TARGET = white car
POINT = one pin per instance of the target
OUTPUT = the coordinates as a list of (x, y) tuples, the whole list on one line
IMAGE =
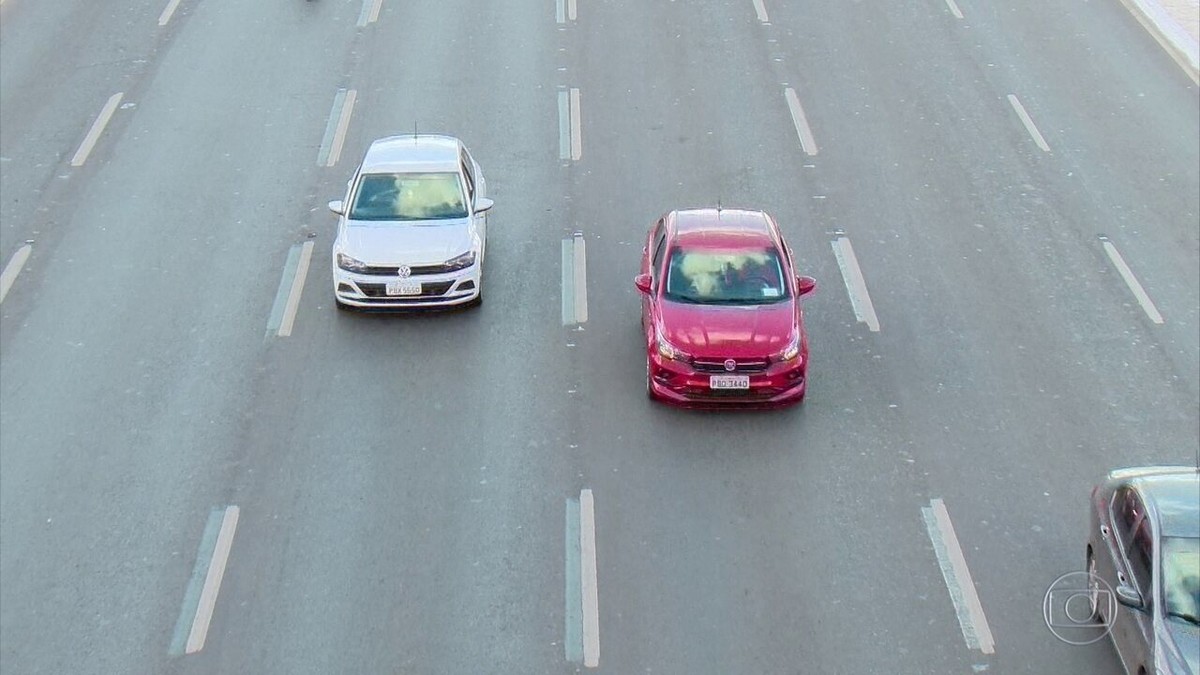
[(412, 228)]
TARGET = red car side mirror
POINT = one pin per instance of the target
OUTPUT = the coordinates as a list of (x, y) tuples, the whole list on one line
[(805, 285), (642, 281)]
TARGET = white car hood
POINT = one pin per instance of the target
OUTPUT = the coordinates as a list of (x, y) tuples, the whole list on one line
[(408, 243)]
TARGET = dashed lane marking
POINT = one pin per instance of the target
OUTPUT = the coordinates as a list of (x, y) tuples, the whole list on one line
[(98, 126)]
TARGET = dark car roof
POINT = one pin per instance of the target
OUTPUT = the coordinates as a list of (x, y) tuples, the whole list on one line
[(1177, 500), (1175, 496), (722, 227)]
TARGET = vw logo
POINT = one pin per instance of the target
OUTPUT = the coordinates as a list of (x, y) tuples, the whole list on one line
[(730, 365), (404, 271)]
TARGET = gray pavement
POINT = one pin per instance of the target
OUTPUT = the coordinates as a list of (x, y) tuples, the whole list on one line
[(408, 486)]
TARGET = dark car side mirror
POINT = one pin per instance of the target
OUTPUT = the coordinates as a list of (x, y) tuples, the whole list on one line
[(483, 204), (805, 285), (337, 207), (1128, 596), (643, 282)]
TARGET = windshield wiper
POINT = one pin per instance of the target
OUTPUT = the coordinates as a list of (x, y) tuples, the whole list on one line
[(735, 301), (376, 218), (1190, 618)]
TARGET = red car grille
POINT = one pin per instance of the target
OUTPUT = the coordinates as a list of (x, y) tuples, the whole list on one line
[(743, 366)]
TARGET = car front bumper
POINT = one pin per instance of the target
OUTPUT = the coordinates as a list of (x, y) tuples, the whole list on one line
[(681, 384), (369, 291)]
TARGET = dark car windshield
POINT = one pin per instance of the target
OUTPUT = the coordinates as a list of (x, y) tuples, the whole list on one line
[(409, 196), (725, 277), (1181, 578)]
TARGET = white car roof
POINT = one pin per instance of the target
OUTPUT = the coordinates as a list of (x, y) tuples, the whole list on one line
[(412, 153)]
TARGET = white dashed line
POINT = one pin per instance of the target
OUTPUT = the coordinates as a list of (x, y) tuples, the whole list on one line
[(954, 9), (581, 308), (576, 132), (167, 12), (1028, 122), (335, 128), (564, 125), (212, 581), (191, 630), (574, 280), (807, 142), (1134, 285), (93, 134), (13, 268), (570, 141), (339, 137), (856, 285), (293, 302), (591, 593), (953, 564), (291, 284), (760, 10), (369, 13)]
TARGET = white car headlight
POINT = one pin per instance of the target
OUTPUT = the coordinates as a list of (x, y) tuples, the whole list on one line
[(460, 262), (350, 264)]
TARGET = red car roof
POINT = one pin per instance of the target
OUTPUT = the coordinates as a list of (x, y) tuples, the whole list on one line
[(710, 227)]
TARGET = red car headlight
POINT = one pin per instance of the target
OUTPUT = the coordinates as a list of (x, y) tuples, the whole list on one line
[(791, 351), (668, 350)]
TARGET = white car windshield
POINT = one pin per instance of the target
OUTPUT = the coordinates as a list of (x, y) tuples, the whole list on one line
[(409, 196)]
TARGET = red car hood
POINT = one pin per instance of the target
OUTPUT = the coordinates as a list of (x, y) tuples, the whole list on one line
[(709, 331)]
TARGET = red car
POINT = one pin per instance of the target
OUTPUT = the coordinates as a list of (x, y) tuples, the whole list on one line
[(721, 310)]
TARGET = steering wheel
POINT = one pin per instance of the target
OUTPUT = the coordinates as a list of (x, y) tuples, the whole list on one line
[(383, 197), (762, 281)]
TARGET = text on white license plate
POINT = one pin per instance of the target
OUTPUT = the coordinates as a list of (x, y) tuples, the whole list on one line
[(404, 288), (728, 381)]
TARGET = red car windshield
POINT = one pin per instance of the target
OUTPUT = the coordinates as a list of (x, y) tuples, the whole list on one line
[(725, 277)]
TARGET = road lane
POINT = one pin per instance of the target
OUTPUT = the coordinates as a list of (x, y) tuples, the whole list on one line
[(1022, 372), (58, 64), (127, 378), (990, 308), (755, 542), (402, 504)]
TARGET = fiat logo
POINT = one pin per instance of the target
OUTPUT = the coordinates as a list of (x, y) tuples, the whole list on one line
[(730, 365), (404, 271)]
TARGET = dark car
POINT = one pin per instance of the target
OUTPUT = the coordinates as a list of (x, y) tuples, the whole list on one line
[(1144, 544), (721, 310)]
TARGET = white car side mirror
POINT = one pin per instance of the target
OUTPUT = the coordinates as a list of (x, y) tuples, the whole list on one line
[(337, 207), (483, 204)]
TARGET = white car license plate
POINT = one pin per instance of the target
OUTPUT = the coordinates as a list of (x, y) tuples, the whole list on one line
[(728, 381), (404, 288)]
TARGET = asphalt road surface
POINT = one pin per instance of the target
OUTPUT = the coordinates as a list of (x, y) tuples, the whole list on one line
[(206, 468)]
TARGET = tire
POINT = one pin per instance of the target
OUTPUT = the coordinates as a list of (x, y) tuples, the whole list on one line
[(1093, 589), (649, 387)]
